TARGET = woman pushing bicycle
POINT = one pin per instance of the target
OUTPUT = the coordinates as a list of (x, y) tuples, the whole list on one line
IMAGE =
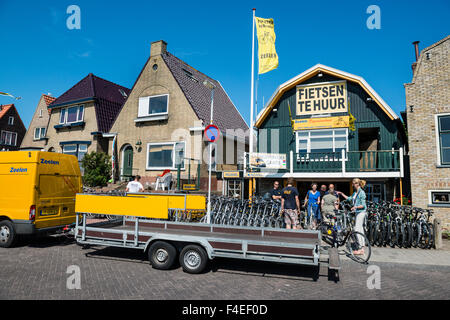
[(359, 208)]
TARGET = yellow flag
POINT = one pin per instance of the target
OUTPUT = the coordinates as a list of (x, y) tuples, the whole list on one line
[(267, 55)]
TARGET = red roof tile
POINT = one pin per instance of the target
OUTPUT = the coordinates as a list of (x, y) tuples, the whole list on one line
[(4, 109), (48, 99)]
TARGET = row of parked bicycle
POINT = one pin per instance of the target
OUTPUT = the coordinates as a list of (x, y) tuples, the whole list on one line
[(387, 223)]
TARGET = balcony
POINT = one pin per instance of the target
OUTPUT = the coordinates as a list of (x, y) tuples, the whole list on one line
[(369, 164)]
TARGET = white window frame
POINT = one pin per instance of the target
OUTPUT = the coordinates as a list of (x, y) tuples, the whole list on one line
[(308, 146), (430, 198), (40, 136), (41, 113), (173, 155), (11, 121), (66, 113), (12, 134), (150, 115), (438, 142)]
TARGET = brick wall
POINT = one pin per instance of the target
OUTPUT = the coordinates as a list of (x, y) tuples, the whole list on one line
[(429, 94)]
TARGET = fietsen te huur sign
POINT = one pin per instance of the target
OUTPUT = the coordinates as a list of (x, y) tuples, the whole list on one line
[(321, 98)]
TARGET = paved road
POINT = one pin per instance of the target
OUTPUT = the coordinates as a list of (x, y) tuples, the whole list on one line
[(37, 270)]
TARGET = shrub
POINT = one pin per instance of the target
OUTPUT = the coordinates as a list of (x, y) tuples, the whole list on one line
[(97, 169)]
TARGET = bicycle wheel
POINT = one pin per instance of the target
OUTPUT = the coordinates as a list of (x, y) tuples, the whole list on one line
[(415, 234), (358, 241), (409, 235), (424, 240), (393, 235), (382, 234), (404, 236), (431, 228)]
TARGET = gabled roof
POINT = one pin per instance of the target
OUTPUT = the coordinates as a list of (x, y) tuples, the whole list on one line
[(190, 80), (108, 96), (311, 72), (5, 108), (48, 99)]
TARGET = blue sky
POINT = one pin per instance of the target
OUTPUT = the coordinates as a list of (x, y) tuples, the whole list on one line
[(40, 54)]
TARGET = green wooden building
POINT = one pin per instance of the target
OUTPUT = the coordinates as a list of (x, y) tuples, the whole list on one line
[(329, 126)]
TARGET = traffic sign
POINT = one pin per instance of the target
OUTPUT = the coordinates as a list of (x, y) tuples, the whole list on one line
[(212, 133)]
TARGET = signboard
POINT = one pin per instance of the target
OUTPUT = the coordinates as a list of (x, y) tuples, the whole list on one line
[(321, 98), (268, 160), (212, 133), (231, 174), (322, 123), (189, 187), (255, 174)]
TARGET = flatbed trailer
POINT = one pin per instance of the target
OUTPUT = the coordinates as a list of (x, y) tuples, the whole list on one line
[(196, 243)]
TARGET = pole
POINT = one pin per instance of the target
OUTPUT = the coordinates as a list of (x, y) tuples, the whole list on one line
[(208, 215), (252, 83)]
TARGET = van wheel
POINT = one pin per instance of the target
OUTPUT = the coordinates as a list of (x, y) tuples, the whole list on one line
[(7, 234), (162, 255), (193, 259)]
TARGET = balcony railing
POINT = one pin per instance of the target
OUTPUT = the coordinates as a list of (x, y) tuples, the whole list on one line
[(352, 161)]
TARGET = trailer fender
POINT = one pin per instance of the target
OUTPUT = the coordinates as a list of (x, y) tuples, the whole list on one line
[(182, 239)]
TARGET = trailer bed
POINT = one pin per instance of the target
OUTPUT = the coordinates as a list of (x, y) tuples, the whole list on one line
[(280, 245)]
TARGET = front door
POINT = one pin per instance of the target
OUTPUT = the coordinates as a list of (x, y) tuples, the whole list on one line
[(128, 162)]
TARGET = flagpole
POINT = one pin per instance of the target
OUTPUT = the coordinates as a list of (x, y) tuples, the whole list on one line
[(252, 83)]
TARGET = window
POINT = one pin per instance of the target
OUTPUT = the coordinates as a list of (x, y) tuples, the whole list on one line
[(77, 150), (439, 197), (154, 105), (71, 115), (234, 188), (444, 139), (11, 121), (165, 155), (8, 138), (39, 133), (322, 141), (40, 113)]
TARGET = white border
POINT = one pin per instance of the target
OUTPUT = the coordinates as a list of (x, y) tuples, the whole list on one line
[(15, 140), (66, 112)]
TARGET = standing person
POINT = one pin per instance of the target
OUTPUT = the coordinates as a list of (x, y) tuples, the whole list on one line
[(323, 191), (330, 202), (359, 208), (312, 202), (290, 205), (135, 186), (276, 192)]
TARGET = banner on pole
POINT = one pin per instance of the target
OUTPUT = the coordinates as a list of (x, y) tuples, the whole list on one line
[(267, 55)]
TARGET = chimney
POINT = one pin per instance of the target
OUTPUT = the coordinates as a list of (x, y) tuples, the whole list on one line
[(158, 47), (416, 47)]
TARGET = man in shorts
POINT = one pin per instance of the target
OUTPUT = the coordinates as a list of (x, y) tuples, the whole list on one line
[(290, 205)]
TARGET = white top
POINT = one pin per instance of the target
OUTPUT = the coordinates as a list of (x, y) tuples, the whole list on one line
[(134, 186)]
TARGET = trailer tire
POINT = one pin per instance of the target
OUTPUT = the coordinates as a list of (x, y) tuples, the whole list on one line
[(8, 234), (193, 259), (162, 255)]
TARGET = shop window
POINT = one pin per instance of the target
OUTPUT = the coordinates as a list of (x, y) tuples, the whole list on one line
[(161, 156), (321, 141), (71, 115), (444, 139), (440, 197), (153, 105), (234, 188)]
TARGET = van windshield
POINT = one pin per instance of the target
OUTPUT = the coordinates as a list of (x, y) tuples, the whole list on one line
[(58, 185)]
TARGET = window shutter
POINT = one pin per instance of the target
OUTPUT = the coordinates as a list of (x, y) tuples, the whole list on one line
[(143, 107)]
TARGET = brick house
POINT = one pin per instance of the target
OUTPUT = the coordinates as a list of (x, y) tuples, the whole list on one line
[(12, 129), (80, 116), (35, 137), (428, 123), (162, 122)]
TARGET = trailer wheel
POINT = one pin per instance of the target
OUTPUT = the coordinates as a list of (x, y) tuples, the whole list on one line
[(7, 234), (162, 255), (193, 259)]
